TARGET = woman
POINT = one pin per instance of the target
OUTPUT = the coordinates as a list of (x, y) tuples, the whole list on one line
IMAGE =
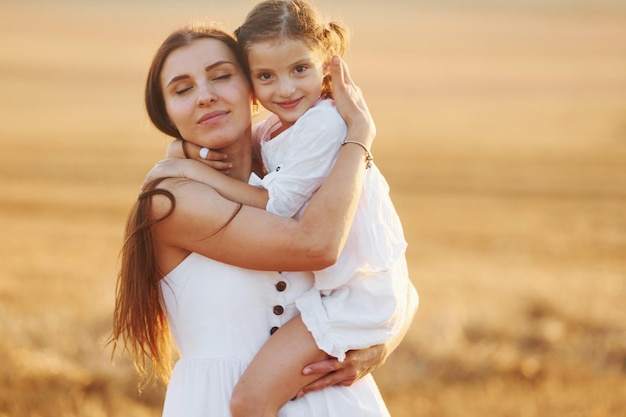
[(183, 237)]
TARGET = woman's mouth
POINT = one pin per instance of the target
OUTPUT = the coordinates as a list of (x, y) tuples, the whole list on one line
[(212, 117)]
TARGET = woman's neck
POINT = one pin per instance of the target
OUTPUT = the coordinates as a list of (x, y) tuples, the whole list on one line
[(239, 154)]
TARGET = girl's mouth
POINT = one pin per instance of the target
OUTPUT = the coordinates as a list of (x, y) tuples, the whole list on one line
[(289, 105)]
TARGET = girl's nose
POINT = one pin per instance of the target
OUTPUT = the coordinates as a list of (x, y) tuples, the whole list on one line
[(286, 88)]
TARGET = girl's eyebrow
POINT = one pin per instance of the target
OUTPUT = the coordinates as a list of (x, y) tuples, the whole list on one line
[(206, 69)]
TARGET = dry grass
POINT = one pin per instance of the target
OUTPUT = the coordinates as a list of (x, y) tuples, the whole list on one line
[(502, 134)]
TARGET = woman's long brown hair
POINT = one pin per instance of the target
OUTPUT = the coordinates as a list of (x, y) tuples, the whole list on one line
[(139, 320)]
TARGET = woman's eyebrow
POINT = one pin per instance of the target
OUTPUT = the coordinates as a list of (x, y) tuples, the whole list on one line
[(217, 64), (177, 78)]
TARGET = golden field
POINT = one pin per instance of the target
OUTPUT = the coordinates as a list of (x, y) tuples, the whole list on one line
[(502, 132)]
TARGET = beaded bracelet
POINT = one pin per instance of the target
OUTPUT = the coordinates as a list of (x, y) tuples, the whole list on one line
[(368, 156)]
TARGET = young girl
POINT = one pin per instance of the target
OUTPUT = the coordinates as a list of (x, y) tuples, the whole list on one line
[(361, 300)]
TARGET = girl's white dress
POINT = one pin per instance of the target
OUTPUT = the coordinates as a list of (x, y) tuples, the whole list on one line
[(220, 316), (360, 300)]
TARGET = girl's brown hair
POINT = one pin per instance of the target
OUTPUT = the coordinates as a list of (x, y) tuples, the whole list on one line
[(273, 20), (139, 321)]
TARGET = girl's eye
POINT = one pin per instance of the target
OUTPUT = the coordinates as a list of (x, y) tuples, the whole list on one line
[(300, 68), (264, 76)]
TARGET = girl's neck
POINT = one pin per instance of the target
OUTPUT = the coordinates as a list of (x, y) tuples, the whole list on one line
[(280, 129)]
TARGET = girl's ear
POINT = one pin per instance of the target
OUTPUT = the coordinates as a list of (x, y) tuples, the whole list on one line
[(326, 67), (327, 87), (327, 60)]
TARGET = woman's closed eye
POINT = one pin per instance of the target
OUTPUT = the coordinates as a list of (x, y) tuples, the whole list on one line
[(182, 89), (222, 77)]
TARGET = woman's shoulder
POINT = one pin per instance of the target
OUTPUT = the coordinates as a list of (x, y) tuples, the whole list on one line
[(184, 195)]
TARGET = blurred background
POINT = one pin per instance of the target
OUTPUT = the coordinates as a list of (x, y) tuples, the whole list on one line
[(502, 132)]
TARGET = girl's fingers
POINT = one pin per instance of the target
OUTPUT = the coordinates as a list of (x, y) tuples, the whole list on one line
[(218, 165), (199, 153)]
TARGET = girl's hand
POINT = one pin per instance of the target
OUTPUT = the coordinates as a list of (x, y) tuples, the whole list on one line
[(357, 364), (168, 168), (211, 157)]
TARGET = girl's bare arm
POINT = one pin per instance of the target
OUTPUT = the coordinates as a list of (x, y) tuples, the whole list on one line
[(231, 188)]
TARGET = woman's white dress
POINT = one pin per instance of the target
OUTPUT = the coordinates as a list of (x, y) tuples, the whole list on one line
[(220, 316)]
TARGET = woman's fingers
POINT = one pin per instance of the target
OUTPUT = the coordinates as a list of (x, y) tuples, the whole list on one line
[(334, 373), (322, 367)]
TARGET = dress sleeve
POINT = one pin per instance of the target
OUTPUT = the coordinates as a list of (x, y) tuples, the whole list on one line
[(306, 156)]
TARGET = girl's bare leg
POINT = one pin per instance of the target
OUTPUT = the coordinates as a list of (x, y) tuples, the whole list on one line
[(275, 374)]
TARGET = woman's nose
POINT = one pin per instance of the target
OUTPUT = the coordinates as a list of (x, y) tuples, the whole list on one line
[(206, 95)]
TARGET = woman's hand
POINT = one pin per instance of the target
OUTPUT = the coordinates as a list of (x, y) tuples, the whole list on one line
[(357, 364), (351, 104)]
